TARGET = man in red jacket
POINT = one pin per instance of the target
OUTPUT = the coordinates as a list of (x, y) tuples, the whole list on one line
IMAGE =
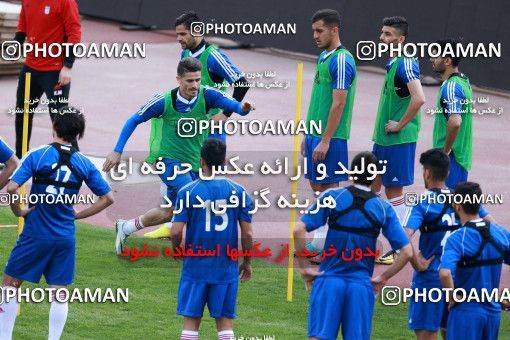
[(46, 22)]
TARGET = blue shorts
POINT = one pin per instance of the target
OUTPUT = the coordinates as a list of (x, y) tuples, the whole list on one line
[(219, 297), (31, 258), (173, 186), (336, 302), (465, 324), (426, 315), (400, 163), (337, 153), (457, 173)]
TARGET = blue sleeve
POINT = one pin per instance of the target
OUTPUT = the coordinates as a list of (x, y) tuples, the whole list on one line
[(416, 217), (94, 180), (483, 212), (219, 64), (408, 70), (217, 99), (25, 169), (182, 216), (342, 70), (392, 229), (182, 54), (452, 97), (318, 219), (152, 109), (5, 151), (244, 211), (452, 251)]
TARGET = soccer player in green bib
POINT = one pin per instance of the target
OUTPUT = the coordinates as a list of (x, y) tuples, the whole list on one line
[(331, 105), (453, 122), (398, 121), (178, 146), (217, 71)]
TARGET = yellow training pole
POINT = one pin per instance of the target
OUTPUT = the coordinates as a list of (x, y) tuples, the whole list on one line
[(24, 146), (290, 275)]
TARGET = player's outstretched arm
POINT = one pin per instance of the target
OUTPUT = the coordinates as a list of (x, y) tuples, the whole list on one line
[(418, 262), (99, 205), (247, 243), (13, 190), (308, 274), (406, 252), (10, 165)]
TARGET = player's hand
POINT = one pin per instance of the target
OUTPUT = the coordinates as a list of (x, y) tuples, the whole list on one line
[(64, 77), (23, 212), (391, 127), (319, 154), (421, 264), (309, 275), (451, 304), (112, 161), (247, 107), (245, 272), (303, 148), (378, 282)]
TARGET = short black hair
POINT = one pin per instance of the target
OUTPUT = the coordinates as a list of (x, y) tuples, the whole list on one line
[(330, 17), (437, 161), (187, 19), (69, 124), (453, 43), (213, 152), (471, 194), (188, 64), (370, 158), (397, 22)]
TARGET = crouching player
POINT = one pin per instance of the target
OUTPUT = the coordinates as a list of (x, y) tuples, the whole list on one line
[(471, 260), (47, 244), (211, 280), (436, 220), (343, 291)]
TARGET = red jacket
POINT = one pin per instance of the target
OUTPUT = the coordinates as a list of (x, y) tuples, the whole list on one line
[(49, 21)]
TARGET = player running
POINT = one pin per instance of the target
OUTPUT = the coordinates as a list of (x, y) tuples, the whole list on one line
[(47, 244), (343, 290), (472, 259), (10, 161), (436, 220), (398, 121), (189, 101), (454, 122), (217, 71), (212, 280), (331, 105)]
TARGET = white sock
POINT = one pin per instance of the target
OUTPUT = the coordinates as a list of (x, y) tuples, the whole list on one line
[(8, 313), (226, 335), (132, 225), (189, 335), (58, 317), (398, 203), (319, 237)]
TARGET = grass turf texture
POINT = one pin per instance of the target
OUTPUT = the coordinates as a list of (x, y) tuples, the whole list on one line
[(261, 309)]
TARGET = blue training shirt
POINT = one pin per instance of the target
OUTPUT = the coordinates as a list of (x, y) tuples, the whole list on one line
[(5, 151), (55, 221), (465, 242), (432, 243), (155, 108), (452, 96), (342, 69), (382, 212), (206, 229)]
